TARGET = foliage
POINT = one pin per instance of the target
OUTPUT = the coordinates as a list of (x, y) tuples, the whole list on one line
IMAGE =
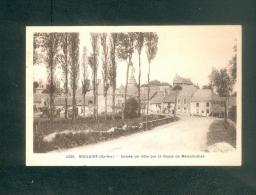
[(85, 80), (207, 86), (93, 62), (125, 45), (74, 68), (105, 63), (139, 41), (177, 88), (125, 52), (131, 108), (222, 82), (112, 69), (233, 64), (151, 45), (35, 85), (151, 50), (48, 44)]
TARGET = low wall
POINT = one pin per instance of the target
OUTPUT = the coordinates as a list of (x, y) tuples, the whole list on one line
[(157, 122)]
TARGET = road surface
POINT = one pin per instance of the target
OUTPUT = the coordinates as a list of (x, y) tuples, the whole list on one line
[(187, 134)]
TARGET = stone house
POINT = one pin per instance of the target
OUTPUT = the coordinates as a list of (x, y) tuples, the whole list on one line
[(206, 103)]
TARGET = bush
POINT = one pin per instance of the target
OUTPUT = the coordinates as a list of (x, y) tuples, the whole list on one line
[(131, 108)]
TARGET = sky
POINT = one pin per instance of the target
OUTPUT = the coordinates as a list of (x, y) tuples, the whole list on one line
[(189, 51)]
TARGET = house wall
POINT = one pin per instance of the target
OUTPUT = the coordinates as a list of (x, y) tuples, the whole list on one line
[(171, 108), (155, 108), (183, 105), (162, 108), (201, 108)]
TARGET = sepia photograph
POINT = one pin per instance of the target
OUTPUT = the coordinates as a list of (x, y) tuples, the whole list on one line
[(133, 95)]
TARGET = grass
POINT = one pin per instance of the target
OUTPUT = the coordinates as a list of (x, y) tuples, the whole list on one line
[(221, 131), (58, 125), (70, 140)]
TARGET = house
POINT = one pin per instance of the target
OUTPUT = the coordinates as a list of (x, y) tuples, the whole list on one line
[(84, 108), (181, 81), (40, 100), (184, 97), (156, 102), (169, 101), (206, 103)]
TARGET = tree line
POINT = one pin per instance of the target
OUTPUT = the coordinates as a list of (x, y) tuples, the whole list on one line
[(63, 48), (223, 80)]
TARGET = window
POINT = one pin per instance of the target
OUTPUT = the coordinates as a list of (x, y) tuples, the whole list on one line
[(178, 107), (207, 104), (197, 104), (207, 111), (202, 111), (185, 108), (178, 101)]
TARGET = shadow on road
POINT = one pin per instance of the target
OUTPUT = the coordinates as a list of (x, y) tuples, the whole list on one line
[(221, 131)]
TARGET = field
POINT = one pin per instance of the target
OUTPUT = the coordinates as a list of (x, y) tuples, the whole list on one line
[(63, 133)]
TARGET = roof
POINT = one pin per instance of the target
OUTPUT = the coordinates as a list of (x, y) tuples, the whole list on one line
[(170, 97), (202, 95), (60, 101), (158, 98), (180, 80), (187, 90), (205, 95), (144, 95)]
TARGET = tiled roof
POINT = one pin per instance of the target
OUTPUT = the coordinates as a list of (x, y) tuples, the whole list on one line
[(60, 101), (180, 80), (187, 90), (170, 97), (158, 98), (204, 95), (144, 95)]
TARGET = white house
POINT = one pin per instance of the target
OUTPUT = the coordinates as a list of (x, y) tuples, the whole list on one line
[(206, 103)]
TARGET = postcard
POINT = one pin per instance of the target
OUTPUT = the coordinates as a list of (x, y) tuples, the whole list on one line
[(134, 95)]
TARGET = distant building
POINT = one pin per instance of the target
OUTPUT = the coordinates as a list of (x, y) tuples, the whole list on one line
[(206, 103), (132, 86), (163, 102), (178, 80), (184, 97)]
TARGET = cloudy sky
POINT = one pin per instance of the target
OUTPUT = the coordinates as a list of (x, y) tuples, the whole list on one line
[(189, 51)]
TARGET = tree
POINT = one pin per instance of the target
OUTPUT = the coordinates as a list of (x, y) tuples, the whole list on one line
[(35, 86), (74, 69), (207, 86), (151, 50), (139, 42), (64, 60), (48, 43), (105, 69), (93, 61), (112, 69), (223, 85), (131, 108), (177, 88), (233, 63), (85, 80), (125, 52)]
